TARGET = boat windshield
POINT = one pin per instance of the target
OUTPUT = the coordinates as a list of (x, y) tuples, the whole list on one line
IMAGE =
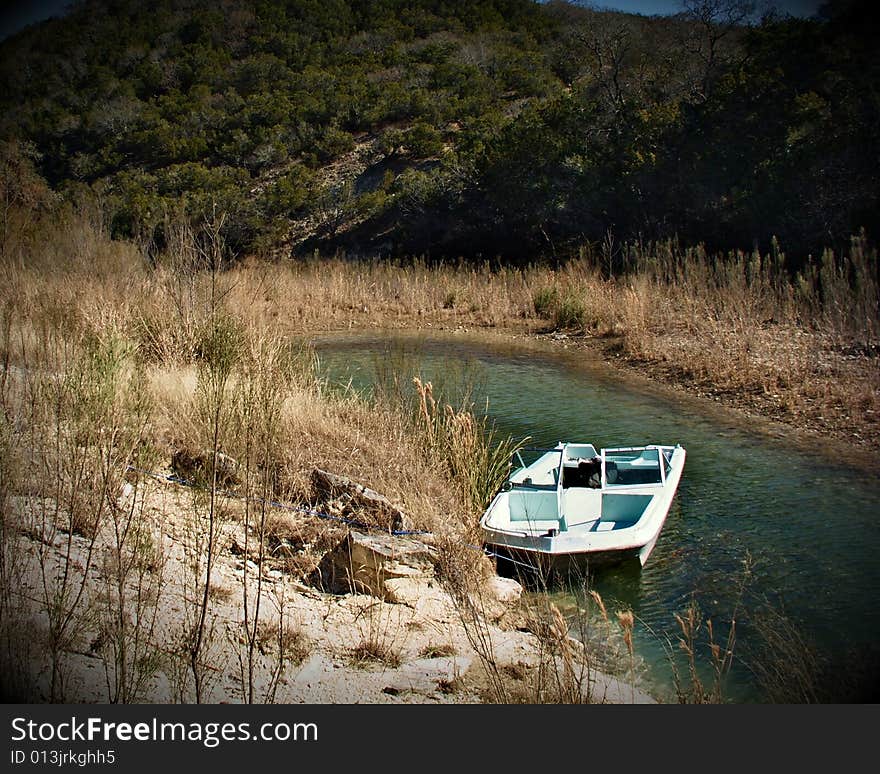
[(667, 462), (625, 467), (535, 468)]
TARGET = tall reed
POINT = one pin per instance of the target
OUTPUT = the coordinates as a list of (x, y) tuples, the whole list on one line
[(476, 457), (261, 389)]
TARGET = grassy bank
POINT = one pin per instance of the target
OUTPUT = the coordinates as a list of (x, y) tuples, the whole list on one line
[(740, 329), (164, 534), (802, 349), (113, 366)]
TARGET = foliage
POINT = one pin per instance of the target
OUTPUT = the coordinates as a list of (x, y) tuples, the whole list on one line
[(521, 128), (476, 456)]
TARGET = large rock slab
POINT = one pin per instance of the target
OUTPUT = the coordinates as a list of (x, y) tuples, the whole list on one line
[(499, 596), (362, 563), (402, 570)]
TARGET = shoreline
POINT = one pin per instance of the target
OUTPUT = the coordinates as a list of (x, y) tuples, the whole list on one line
[(746, 409), (406, 640), (273, 307)]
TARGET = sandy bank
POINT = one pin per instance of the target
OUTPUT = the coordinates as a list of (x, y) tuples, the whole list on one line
[(414, 646)]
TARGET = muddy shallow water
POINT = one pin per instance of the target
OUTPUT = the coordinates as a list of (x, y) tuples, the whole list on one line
[(799, 514)]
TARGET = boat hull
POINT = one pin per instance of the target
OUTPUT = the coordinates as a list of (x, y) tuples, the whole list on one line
[(520, 562), (624, 529)]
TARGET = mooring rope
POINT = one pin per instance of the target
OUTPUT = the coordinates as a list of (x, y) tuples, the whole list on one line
[(506, 558)]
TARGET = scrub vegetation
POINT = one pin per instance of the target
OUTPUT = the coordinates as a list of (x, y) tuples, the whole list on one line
[(501, 130), (114, 372), (115, 369), (190, 191)]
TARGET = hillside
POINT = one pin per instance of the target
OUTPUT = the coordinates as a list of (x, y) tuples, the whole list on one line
[(419, 127)]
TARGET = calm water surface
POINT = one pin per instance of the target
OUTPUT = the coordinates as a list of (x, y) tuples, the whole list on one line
[(807, 525)]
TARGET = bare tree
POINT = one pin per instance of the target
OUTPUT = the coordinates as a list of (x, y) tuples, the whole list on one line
[(609, 41), (712, 24)]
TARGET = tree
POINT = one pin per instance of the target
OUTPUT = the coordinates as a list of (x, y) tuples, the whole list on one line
[(20, 184), (713, 24), (608, 41)]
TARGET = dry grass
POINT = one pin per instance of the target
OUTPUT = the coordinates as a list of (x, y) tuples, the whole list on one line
[(381, 635), (803, 348), (800, 347), (437, 651), (575, 653), (109, 364), (740, 328)]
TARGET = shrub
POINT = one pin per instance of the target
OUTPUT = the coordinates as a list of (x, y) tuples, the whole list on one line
[(570, 313), (545, 301)]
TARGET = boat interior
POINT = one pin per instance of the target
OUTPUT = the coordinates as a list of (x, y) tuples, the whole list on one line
[(537, 504), (585, 509)]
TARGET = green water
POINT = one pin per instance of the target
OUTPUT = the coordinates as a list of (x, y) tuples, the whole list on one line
[(805, 523)]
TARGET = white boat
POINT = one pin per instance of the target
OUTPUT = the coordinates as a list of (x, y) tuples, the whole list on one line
[(570, 507)]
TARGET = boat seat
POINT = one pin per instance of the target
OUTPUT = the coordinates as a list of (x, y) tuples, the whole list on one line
[(581, 505)]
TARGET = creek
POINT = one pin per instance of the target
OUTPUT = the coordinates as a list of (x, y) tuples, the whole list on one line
[(779, 534)]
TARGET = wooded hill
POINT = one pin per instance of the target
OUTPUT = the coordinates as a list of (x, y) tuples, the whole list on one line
[(451, 129)]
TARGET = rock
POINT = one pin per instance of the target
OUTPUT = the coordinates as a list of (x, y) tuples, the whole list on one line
[(363, 563), (414, 591), (332, 486), (430, 601), (426, 675), (196, 467), (499, 596), (505, 590), (125, 501), (604, 689)]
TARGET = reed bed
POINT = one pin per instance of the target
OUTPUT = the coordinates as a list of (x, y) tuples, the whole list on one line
[(802, 347), (111, 369)]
